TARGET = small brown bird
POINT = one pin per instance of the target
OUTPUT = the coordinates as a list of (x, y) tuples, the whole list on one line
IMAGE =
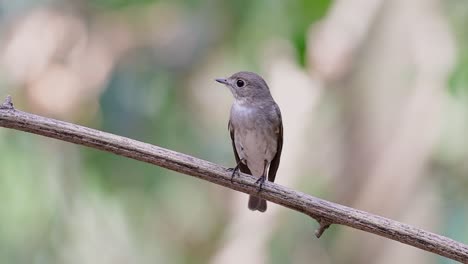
[(256, 130)]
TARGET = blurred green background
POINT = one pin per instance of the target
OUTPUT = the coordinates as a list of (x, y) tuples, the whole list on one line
[(374, 96)]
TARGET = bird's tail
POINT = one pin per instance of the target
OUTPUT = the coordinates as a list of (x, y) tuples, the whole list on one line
[(257, 204)]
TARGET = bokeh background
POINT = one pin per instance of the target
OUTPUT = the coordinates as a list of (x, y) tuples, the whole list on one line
[(374, 96)]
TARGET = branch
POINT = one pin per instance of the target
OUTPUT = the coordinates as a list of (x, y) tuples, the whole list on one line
[(326, 213)]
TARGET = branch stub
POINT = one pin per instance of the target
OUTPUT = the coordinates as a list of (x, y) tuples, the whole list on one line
[(7, 104)]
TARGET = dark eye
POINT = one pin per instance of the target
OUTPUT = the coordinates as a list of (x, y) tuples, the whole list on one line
[(240, 83)]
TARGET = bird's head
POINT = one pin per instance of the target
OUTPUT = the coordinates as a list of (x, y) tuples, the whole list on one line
[(246, 86)]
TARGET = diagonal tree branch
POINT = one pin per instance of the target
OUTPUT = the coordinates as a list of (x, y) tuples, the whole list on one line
[(326, 213)]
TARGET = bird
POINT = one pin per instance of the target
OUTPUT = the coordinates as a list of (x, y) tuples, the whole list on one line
[(256, 129)]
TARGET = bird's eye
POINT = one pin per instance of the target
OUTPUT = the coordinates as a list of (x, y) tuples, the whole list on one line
[(240, 83)]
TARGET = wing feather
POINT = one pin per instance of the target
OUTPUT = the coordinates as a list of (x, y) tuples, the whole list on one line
[(276, 160), (242, 167)]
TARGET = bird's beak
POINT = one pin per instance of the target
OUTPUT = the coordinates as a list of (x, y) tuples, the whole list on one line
[(222, 80)]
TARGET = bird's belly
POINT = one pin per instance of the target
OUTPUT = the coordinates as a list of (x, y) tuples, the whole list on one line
[(256, 148)]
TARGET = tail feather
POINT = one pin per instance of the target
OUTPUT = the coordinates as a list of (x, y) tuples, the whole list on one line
[(257, 204)]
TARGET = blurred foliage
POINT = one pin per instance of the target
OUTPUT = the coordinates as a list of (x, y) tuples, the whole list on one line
[(57, 198), (306, 13), (118, 4), (457, 11)]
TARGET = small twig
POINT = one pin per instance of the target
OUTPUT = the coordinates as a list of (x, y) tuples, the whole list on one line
[(7, 104), (324, 225), (301, 202)]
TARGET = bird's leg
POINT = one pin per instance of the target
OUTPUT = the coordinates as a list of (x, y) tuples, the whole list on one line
[(235, 170), (262, 179)]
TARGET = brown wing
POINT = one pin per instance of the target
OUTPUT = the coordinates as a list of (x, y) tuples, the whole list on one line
[(276, 160), (242, 167)]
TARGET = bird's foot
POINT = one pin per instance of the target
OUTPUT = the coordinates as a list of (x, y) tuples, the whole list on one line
[(260, 180), (235, 172)]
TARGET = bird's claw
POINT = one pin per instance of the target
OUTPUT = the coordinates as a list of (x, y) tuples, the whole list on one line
[(260, 180), (235, 172)]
